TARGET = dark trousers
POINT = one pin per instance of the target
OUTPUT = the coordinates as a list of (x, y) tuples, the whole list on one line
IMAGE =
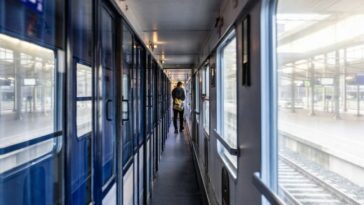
[(175, 113)]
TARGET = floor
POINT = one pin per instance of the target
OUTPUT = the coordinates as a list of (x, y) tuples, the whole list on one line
[(176, 182)]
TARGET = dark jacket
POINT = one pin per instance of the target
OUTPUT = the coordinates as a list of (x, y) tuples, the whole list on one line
[(179, 93)]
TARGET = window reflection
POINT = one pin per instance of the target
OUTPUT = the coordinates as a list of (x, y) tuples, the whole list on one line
[(26, 91), (84, 99), (26, 99)]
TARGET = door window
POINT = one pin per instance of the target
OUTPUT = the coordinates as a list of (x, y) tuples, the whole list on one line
[(84, 99)]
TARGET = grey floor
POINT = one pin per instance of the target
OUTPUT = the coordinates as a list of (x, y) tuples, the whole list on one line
[(176, 182)]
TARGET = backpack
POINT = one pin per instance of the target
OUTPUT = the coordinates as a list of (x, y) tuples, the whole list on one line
[(178, 104)]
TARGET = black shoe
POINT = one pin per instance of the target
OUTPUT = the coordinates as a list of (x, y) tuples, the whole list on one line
[(176, 131), (182, 129)]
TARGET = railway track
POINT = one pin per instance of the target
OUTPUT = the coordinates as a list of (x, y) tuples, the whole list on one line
[(299, 187)]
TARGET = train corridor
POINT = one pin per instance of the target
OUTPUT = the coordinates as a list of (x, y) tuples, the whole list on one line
[(176, 179)]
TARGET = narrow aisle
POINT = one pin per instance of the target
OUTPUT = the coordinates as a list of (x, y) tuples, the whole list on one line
[(176, 181)]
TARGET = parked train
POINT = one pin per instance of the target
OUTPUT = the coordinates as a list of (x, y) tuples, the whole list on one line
[(273, 105)]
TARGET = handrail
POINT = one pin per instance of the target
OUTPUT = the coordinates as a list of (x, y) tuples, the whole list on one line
[(24, 144), (231, 150), (272, 197)]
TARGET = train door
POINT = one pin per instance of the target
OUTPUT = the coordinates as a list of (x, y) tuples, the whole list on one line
[(128, 172), (155, 118), (135, 118), (79, 120), (105, 139), (31, 102), (159, 114), (139, 116), (148, 93)]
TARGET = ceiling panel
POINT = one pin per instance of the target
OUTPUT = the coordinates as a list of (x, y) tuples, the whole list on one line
[(177, 27)]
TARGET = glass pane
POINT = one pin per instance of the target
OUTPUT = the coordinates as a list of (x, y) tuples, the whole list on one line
[(84, 81), (84, 108), (206, 117), (84, 117), (208, 81), (229, 96), (127, 41), (197, 96), (203, 76), (26, 91), (320, 99)]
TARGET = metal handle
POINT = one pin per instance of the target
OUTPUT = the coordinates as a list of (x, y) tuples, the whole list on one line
[(107, 110), (266, 191), (232, 151)]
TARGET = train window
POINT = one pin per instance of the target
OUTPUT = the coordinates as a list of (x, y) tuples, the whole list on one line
[(206, 101), (84, 99), (27, 99), (320, 75), (227, 97), (197, 95), (203, 80), (246, 47)]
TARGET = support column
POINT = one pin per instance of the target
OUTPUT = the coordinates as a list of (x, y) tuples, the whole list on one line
[(17, 86), (307, 88), (345, 84), (311, 67), (337, 85), (357, 98), (326, 109), (42, 78), (34, 89), (293, 90)]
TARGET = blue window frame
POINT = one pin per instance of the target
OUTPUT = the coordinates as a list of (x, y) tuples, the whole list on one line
[(127, 45)]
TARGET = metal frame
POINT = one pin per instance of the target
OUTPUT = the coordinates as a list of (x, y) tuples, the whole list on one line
[(267, 181), (231, 150), (266, 191)]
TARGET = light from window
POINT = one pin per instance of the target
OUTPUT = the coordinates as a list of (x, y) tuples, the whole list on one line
[(84, 100), (27, 99), (320, 101), (206, 101), (228, 98), (197, 96)]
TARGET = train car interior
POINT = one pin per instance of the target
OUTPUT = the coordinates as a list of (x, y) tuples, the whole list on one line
[(181, 102)]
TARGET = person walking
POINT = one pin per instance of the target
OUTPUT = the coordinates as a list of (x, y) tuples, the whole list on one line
[(178, 95)]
